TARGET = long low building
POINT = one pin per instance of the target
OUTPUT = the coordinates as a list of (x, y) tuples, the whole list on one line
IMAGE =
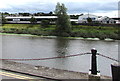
[(26, 19)]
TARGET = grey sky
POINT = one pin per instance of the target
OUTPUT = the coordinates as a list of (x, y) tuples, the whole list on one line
[(99, 7)]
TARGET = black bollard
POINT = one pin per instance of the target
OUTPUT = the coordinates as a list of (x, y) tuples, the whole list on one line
[(94, 62), (115, 72)]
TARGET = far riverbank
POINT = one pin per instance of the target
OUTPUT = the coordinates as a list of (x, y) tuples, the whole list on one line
[(53, 37), (77, 31)]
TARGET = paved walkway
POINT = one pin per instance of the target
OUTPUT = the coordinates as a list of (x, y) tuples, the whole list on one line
[(44, 71)]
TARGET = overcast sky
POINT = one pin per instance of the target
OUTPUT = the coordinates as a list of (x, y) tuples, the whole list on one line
[(97, 7)]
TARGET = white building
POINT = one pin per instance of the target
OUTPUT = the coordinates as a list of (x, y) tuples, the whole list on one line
[(117, 19), (106, 20), (103, 20), (83, 18)]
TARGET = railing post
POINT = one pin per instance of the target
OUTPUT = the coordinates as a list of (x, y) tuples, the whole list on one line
[(115, 72), (94, 62), (93, 73)]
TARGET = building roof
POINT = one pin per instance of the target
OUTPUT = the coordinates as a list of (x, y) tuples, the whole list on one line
[(28, 17), (102, 18), (87, 15), (37, 17)]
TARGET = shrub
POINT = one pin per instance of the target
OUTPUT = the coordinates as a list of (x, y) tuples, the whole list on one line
[(45, 23), (73, 22)]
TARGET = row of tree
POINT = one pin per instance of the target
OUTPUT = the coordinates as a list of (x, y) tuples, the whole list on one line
[(38, 14), (28, 14)]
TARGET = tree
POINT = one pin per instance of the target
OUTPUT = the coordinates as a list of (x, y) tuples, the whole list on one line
[(50, 13), (63, 25), (3, 20), (6, 13), (45, 23), (89, 20), (73, 22), (33, 20)]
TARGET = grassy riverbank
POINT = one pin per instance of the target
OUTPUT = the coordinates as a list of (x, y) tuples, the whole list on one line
[(77, 30)]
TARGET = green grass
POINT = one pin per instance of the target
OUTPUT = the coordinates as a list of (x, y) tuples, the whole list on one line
[(76, 30), (95, 31)]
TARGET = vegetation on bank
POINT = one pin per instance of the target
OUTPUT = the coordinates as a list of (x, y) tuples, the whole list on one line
[(76, 30)]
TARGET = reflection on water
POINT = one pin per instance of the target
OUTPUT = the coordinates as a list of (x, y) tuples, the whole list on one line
[(36, 47), (61, 46)]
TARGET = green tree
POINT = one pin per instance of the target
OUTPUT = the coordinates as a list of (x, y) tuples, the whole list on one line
[(63, 25), (89, 20), (45, 23), (3, 20), (50, 13), (33, 20)]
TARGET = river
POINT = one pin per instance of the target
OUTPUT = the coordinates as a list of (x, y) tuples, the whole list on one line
[(14, 46)]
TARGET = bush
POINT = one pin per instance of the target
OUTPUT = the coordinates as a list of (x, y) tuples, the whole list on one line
[(73, 22), (45, 23)]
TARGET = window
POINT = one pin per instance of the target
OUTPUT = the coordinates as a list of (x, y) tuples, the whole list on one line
[(24, 19), (9, 19), (107, 22), (93, 18)]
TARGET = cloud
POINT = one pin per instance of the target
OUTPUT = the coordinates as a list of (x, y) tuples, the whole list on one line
[(74, 6), (91, 7), (29, 7)]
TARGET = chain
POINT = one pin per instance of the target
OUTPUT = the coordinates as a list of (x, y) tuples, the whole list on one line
[(48, 58), (108, 57)]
